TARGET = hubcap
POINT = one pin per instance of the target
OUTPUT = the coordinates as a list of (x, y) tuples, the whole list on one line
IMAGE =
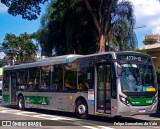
[(20, 103), (81, 109)]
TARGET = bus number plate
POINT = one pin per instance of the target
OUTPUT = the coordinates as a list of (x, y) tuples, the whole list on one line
[(142, 110)]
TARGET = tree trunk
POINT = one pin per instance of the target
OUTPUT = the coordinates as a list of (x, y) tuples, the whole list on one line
[(102, 42), (120, 46), (11, 61)]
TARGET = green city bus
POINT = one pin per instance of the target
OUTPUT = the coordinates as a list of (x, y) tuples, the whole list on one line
[(106, 84)]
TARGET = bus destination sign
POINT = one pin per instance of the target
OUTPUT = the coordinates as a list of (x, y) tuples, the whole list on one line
[(134, 58)]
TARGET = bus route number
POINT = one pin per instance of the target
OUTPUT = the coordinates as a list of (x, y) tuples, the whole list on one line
[(133, 58)]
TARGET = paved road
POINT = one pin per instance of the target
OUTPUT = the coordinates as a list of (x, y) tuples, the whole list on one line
[(63, 120)]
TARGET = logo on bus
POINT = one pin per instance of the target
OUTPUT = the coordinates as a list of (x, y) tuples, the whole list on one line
[(135, 102), (149, 101)]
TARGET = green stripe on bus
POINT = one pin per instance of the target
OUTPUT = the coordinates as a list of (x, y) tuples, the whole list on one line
[(41, 100), (5, 98), (141, 101)]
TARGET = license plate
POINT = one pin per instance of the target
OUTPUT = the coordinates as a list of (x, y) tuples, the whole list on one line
[(142, 110)]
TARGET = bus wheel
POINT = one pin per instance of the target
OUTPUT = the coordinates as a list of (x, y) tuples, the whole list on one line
[(21, 105), (81, 109)]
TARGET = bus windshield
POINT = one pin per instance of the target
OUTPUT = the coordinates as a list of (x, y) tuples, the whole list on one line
[(137, 78)]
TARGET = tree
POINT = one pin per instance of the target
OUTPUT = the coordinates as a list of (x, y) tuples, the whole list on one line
[(122, 37), (141, 50), (67, 28), (158, 74), (107, 13), (28, 9), (66, 15), (3, 62), (148, 41), (20, 49)]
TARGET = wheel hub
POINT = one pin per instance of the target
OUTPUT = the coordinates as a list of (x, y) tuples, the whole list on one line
[(81, 109), (20, 103)]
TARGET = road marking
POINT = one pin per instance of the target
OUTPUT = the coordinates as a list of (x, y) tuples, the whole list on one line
[(8, 111), (98, 127), (67, 120), (37, 115), (105, 127), (90, 127), (157, 127)]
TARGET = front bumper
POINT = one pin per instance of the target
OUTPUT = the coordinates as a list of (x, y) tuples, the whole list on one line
[(136, 110)]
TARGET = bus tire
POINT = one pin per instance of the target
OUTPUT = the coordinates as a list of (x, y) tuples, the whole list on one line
[(21, 103), (81, 109)]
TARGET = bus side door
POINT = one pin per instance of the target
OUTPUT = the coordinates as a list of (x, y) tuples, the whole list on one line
[(106, 87), (103, 87)]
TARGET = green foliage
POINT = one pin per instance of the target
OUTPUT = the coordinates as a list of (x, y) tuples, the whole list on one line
[(148, 41), (123, 37), (67, 28), (79, 26), (123, 26), (158, 75), (21, 48), (115, 21), (28, 9), (3, 62), (142, 50)]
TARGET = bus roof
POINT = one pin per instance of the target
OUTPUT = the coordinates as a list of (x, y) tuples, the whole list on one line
[(62, 59), (45, 62)]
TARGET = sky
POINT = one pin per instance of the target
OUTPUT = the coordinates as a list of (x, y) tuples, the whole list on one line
[(147, 14), (16, 25)]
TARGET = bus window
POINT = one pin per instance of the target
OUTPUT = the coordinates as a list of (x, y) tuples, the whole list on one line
[(58, 73), (53, 81), (33, 79), (45, 78), (6, 81), (70, 76), (85, 76), (22, 79)]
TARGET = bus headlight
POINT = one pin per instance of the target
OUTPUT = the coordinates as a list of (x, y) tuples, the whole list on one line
[(124, 100)]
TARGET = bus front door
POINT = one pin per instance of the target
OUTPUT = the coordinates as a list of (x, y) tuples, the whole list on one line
[(103, 88)]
